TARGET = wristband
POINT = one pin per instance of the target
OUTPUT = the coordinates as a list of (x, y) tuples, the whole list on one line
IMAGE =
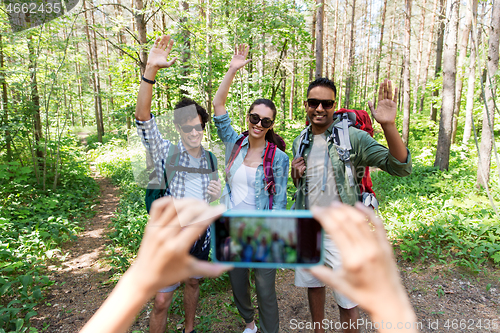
[(148, 81)]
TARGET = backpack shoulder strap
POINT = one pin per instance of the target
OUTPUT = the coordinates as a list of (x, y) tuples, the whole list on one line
[(213, 165), (303, 141), (268, 161), (234, 152), (170, 163)]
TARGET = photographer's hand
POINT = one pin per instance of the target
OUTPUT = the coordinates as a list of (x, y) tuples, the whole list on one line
[(163, 259), (369, 275)]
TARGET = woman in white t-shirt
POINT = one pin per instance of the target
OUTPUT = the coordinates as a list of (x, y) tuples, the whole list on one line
[(246, 189)]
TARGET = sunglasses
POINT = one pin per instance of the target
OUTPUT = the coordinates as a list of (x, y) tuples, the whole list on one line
[(189, 128), (314, 103), (255, 119)]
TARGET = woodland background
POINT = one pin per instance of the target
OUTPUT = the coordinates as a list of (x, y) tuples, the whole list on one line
[(78, 76)]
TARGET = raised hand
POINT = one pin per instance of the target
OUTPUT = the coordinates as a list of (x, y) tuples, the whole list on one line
[(158, 56), (239, 57), (386, 111)]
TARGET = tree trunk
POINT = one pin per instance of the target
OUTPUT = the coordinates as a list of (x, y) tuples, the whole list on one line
[(35, 99), (419, 57), (439, 55), (428, 56), (110, 80), (5, 104), (78, 75), (471, 82), (342, 60), (142, 33), (327, 43), (92, 76), (367, 51), (186, 54), (406, 74), (336, 27), (283, 97), (449, 86), (313, 44), (460, 65), (292, 87), (96, 73), (391, 48), (208, 50), (350, 65), (379, 54), (487, 136)]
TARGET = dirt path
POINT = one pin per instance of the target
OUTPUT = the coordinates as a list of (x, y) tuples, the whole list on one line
[(79, 290), (445, 299)]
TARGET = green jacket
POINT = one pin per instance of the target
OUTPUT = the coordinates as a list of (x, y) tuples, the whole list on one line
[(365, 152)]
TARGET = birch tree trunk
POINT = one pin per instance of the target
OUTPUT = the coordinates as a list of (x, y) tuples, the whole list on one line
[(98, 95), (406, 74), (391, 48), (313, 44), (92, 76), (35, 99), (319, 38), (460, 65), (336, 27), (471, 84), (419, 57), (379, 53), (5, 104), (186, 50), (483, 169), (439, 54), (350, 65), (141, 34), (428, 56), (367, 52), (79, 76), (292, 87), (449, 89)]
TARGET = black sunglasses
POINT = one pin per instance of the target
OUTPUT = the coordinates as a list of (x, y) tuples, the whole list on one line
[(189, 128), (254, 119), (314, 103)]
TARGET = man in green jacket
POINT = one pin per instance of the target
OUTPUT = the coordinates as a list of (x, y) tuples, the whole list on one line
[(323, 177)]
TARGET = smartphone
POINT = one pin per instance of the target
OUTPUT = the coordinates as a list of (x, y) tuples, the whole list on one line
[(267, 239)]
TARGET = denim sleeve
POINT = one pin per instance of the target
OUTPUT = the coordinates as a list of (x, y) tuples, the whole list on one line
[(281, 180), (224, 129)]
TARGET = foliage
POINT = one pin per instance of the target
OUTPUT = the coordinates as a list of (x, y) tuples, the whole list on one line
[(33, 223), (439, 215)]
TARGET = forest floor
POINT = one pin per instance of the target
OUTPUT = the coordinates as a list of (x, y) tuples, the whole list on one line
[(443, 296)]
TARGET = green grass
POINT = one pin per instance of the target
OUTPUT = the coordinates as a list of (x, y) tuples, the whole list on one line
[(440, 215), (33, 223)]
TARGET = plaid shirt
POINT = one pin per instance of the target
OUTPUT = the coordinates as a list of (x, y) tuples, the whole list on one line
[(158, 148)]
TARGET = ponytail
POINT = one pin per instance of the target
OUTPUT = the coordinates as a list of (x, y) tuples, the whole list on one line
[(276, 139)]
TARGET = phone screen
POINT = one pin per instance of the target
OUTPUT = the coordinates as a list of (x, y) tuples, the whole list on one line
[(277, 239)]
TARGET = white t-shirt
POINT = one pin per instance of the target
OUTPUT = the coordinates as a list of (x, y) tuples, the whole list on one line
[(315, 174), (193, 180), (243, 188)]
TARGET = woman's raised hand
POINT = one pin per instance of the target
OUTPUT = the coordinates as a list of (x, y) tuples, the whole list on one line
[(159, 53), (240, 57)]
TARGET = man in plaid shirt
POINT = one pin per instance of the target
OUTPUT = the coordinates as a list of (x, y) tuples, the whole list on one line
[(189, 119)]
